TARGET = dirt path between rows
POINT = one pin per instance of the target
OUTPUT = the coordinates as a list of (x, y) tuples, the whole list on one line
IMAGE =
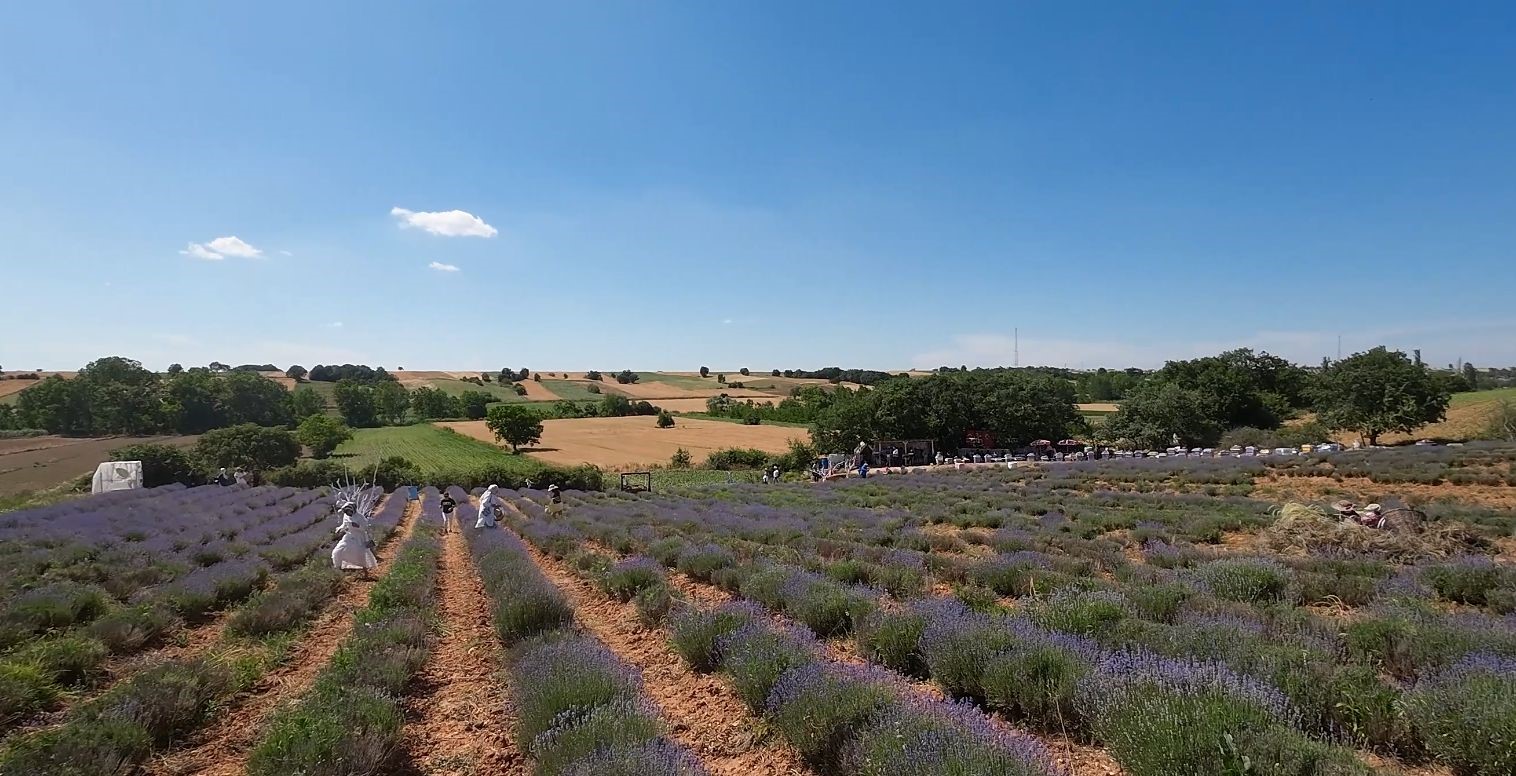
[(222, 748), (454, 723), (704, 714)]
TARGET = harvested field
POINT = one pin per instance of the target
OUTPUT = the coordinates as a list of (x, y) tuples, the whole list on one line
[(43, 462), (10, 387), (622, 442)]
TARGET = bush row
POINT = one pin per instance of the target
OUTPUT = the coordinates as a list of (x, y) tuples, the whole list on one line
[(350, 719), (579, 709)]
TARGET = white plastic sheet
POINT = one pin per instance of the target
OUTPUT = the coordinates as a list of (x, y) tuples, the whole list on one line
[(116, 475)]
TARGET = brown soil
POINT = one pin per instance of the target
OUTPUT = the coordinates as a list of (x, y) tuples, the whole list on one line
[(222, 748), (703, 713), (43, 462), (536, 391), (1363, 491), (454, 723), (622, 442)]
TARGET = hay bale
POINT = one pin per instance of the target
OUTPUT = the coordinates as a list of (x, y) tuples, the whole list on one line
[(1302, 529)]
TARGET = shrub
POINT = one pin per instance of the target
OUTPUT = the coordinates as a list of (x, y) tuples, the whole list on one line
[(58, 605), (757, 654), (531, 610), (701, 562), (162, 464), (923, 738), (1467, 714), (337, 732), (1465, 580), (25, 689), (1251, 580), (610, 727), (106, 745), (827, 608), (665, 420), (68, 660), (1082, 613), (890, 639), (625, 579), (658, 757), (1014, 574), (1159, 603), (818, 706), (165, 701), (681, 459), (667, 551), (288, 605), (131, 629), (655, 603), (694, 633), (559, 678), (1036, 684)]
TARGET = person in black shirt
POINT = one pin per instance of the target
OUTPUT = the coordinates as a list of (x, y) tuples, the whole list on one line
[(448, 505)]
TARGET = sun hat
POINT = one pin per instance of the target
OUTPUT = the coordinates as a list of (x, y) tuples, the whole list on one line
[(1372, 508), (1343, 505)]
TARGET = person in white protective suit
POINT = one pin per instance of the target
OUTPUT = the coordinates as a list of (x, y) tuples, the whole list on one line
[(488, 501), (355, 550)]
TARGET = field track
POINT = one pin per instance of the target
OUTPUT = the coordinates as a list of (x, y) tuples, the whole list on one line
[(454, 721), (223, 746)]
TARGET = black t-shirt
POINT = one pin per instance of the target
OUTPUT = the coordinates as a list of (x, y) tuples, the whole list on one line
[(448, 504)]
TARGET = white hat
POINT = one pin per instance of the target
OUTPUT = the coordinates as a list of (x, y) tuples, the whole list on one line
[(552, 487), (1373, 508)]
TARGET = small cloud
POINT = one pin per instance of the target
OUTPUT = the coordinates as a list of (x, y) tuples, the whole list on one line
[(726, 321), (220, 248), (440, 267), (450, 223), (335, 324), (199, 251), (285, 253)]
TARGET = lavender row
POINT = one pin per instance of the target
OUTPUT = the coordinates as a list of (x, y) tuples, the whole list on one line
[(579, 710)]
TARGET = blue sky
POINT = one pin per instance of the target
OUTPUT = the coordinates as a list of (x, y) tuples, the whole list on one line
[(777, 184)]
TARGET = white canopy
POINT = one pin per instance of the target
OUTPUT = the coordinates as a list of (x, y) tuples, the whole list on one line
[(117, 475)]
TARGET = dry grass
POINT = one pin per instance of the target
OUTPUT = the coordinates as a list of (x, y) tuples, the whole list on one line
[(1303, 529)]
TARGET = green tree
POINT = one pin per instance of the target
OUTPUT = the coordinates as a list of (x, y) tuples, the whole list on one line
[(391, 400), (1241, 388), (537, 378), (256, 448), (705, 371), (774, 373), (174, 369), (681, 459), (162, 464), (665, 420), (513, 425), (322, 434), (296, 373), (721, 378), (249, 397), (306, 401), (429, 403), (57, 405), (10, 419), (192, 401), (475, 404), (1471, 375), (626, 377), (744, 371), (123, 397), (1379, 391), (355, 401), (1155, 413), (592, 375)]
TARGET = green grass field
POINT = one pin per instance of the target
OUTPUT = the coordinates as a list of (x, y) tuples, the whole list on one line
[(572, 391), (678, 381), (708, 416), (1478, 397), (502, 393), (429, 447)]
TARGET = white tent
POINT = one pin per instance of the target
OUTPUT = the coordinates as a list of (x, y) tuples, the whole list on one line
[(117, 475)]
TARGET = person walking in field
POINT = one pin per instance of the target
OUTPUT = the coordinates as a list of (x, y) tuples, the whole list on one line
[(488, 503), (355, 550), (448, 505)]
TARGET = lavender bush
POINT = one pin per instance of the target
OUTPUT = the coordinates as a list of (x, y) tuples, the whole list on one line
[(1467, 714)]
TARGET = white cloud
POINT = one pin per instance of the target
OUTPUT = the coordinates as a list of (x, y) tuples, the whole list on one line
[(440, 267), (726, 321), (450, 223), (285, 253), (335, 324), (201, 252), (220, 248)]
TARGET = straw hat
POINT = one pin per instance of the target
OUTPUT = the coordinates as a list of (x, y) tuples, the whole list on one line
[(1372, 508), (1343, 505)]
